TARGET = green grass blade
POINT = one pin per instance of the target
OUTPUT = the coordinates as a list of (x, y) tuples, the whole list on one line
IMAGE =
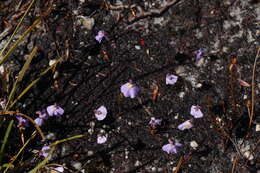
[(33, 83), (45, 161), (7, 133), (10, 164), (20, 76), (26, 65), (42, 163), (17, 27), (11, 50)]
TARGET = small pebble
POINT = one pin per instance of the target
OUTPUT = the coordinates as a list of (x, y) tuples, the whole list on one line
[(90, 131), (257, 128), (138, 163), (55, 75), (248, 155), (137, 47), (92, 124), (90, 153), (160, 169), (181, 94), (2, 69), (199, 85), (77, 165), (194, 145), (87, 22), (51, 136), (153, 169)]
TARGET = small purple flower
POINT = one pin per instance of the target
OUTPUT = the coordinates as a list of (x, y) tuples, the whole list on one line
[(59, 169), (45, 151), (42, 114), (171, 147), (55, 110), (171, 79), (101, 34), (39, 121), (101, 113), (130, 90), (22, 122), (155, 122), (196, 112), (101, 139), (185, 125), (199, 53)]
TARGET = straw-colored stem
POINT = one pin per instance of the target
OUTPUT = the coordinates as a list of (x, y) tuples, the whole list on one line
[(20, 151), (13, 113), (253, 90), (16, 28)]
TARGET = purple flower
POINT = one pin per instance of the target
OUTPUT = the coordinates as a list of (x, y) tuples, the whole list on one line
[(45, 151), (59, 169), (42, 114), (155, 122), (100, 36), (171, 79), (101, 113), (199, 53), (39, 121), (130, 90), (101, 139), (55, 110), (22, 122), (196, 112), (171, 147), (185, 125)]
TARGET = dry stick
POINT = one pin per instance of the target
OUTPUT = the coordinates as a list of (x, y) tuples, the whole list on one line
[(179, 165), (234, 164), (20, 151), (11, 113), (17, 27), (143, 14), (251, 114), (118, 7)]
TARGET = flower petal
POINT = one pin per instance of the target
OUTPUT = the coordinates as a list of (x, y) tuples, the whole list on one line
[(185, 125), (196, 112)]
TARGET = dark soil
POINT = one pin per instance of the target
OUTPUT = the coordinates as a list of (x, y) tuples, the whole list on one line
[(143, 50)]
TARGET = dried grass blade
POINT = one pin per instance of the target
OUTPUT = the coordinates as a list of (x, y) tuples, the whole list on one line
[(20, 76), (17, 27), (10, 51), (13, 113), (179, 165), (45, 161), (42, 163), (34, 82), (10, 164), (251, 114)]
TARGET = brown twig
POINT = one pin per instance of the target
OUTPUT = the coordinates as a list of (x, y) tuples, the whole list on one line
[(109, 6), (251, 114), (140, 14), (234, 164), (143, 14), (12, 113), (179, 165)]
